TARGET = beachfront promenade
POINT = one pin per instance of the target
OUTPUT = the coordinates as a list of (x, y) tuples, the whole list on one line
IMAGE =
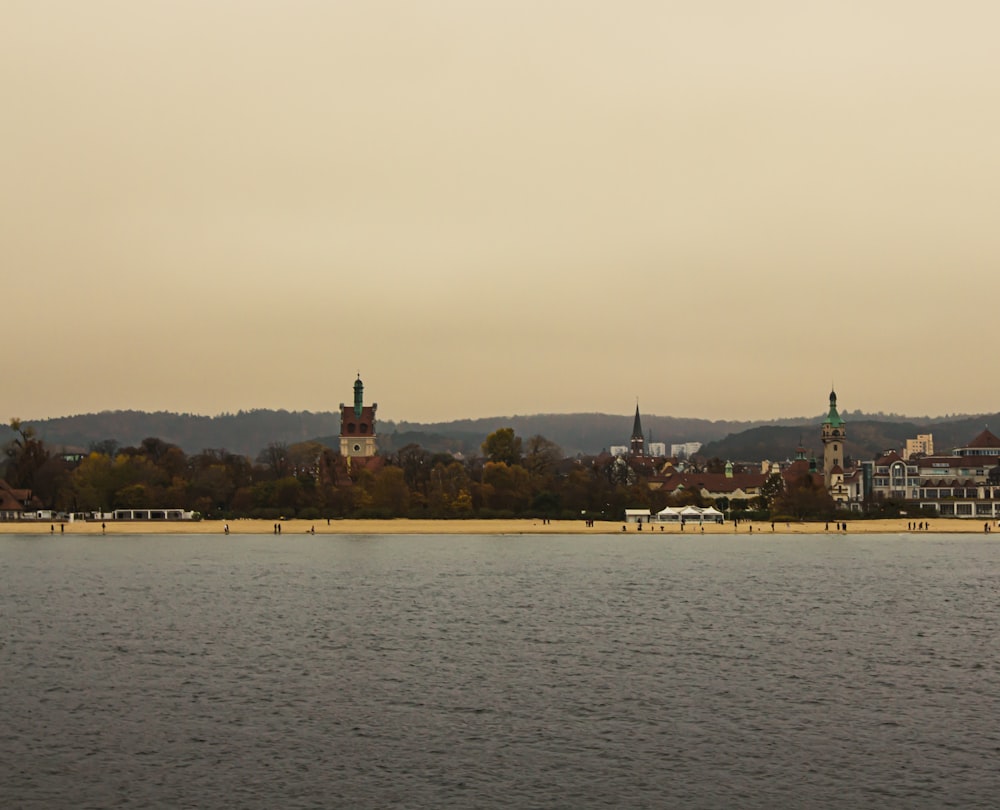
[(894, 526)]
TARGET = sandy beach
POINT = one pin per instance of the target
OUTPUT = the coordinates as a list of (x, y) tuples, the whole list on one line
[(513, 527)]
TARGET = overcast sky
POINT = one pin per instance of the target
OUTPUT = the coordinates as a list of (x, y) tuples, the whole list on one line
[(716, 208)]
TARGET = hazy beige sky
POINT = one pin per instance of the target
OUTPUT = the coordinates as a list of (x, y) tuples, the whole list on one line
[(489, 208)]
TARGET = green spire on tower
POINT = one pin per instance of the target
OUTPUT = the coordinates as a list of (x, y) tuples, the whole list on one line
[(359, 396), (833, 418)]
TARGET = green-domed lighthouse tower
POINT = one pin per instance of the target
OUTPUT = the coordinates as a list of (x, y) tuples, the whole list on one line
[(833, 440)]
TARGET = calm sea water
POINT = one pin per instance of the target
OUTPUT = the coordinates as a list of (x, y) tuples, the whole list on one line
[(482, 672)]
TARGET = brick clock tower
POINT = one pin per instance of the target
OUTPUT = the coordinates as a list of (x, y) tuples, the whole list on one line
[(357, 426)]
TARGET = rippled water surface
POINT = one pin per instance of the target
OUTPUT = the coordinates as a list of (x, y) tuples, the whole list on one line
[(460, 671)]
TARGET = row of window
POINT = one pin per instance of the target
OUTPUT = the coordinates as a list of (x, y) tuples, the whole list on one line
[(957, 492), (964, 472), (963, 509), (918, 493), (897, 483)]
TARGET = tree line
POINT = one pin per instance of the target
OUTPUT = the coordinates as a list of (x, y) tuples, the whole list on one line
[(513, 477)]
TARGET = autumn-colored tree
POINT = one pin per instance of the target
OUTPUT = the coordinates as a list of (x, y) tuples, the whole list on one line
[(94, 483), (390, 493), (450, 490), (304, 459), (511, 490), (579, 491), (414, 461), (503, 446), (100, 482)]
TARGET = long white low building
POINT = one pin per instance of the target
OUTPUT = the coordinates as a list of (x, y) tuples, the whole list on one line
[(152, 514)]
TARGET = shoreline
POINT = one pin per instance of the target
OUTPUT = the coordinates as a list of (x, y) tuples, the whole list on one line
[(519, 526)]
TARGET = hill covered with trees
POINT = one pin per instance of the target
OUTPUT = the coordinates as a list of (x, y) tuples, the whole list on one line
[(249, 432), (867, 438)]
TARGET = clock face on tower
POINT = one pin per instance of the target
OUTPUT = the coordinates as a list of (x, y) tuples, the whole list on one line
[(357, 448)]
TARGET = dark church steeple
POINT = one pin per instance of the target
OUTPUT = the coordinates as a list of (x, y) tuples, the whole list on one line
[(637, 446)]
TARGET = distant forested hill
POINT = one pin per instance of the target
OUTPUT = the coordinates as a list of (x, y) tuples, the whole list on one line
[(866, 438), (246, 432), (249, 432), (586, 433)]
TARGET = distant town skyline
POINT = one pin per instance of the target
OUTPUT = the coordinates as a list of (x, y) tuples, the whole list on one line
[(718, 210)]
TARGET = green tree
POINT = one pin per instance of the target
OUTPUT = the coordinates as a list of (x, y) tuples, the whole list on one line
[(619, 473), (771, 490)]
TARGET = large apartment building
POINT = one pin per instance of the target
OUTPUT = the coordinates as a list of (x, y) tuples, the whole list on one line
[(963, 484)]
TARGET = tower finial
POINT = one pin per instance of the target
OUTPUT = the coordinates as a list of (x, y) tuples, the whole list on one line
[(359, 396)]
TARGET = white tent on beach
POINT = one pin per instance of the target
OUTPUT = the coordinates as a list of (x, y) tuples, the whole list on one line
[(712, 514), (689, 514)]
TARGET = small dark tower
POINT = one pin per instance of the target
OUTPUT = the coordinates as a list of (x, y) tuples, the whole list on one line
[(637, 445)]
